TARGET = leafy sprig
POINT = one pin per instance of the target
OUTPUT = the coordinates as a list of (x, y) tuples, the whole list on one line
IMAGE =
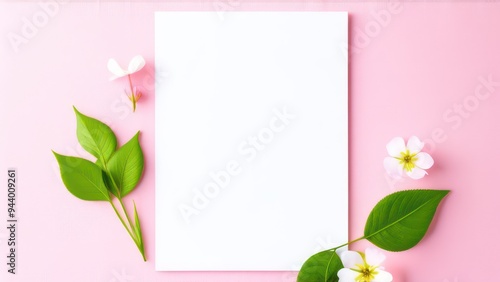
[(397, 223), (115, 173)]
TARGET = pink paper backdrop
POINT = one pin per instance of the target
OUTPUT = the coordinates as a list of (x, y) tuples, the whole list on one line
[(415, 69)]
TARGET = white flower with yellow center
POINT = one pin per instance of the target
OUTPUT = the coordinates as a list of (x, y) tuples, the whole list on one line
[(407, 159), (359, 267)]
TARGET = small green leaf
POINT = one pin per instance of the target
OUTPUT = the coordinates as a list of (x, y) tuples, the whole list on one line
[(126, 166), (321, 267), (400, 220), (137, 226), (95, 137), (82, 178), (138, 233)]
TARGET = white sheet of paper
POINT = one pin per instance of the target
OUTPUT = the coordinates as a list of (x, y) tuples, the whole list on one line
[(251, 138)]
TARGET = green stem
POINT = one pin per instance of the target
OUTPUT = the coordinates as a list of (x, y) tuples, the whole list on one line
[(125, 211), (121, 219), (346, 244), (137, 240)]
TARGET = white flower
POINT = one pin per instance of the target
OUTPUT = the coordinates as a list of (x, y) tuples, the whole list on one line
[(135, 65), (365, 267), (407, 159)]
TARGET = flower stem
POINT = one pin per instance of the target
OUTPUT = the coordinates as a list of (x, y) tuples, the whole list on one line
[(132, 94), (130, 83)]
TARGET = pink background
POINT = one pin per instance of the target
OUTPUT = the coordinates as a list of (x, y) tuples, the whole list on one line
[(405, 77)]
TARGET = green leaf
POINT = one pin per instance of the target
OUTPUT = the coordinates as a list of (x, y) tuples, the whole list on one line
[(321, 267), (108, 183), (126, 166), (400, 220), (138, 233), (137, 226), (82, 178), (95, 137)]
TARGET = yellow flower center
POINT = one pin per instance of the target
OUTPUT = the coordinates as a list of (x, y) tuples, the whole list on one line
[(408, 160), (366, 273)]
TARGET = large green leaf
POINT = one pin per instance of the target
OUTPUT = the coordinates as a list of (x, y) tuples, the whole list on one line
[(400, 220), (321, 267), (82, 178), (95, 137), (126, 165)]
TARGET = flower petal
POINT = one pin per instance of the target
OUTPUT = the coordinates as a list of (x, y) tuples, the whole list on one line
[(396, 146), (347, 275), (374, 257), (115, 69), (415, 145), (383, 276), (416, 173), (393, 167), (136, 64), (424, 160), (350, 259)]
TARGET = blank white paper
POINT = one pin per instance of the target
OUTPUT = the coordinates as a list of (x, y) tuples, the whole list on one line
[(251, 138)]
